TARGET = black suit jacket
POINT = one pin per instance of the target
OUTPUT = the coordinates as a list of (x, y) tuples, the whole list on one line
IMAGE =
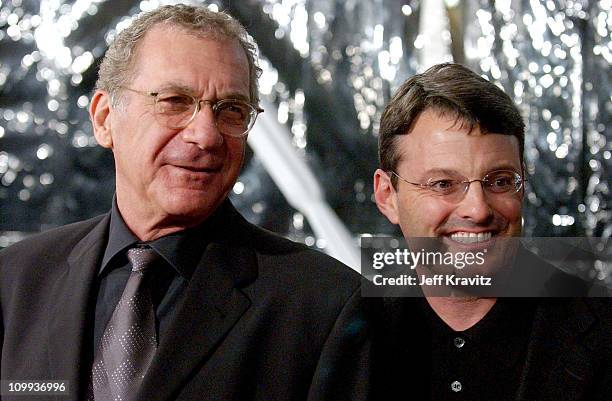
[(264, 318), (569, 352), (569, 356)]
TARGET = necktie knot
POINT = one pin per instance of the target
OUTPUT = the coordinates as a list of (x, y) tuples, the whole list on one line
[(141, 257)]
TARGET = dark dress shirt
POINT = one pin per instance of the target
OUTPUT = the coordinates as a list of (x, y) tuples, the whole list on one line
[(431, 361), (484, 362), (181, 251)]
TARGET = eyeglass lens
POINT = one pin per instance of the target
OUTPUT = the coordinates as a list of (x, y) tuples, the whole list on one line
[(496, 182), (501, 182), (232, 117)]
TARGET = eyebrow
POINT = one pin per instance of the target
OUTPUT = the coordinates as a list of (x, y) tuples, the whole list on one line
[(238, 96), (449, 172), (505, 166), (178, 87), (440, 171)]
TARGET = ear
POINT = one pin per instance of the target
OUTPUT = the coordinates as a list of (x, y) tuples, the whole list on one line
[(99, 114), (385, 195)]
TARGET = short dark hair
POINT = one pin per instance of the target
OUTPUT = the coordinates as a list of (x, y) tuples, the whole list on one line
[(451, 90)]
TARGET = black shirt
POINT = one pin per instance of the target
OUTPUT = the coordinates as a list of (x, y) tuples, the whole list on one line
[(181, 252), (430, 361), (484, 362)]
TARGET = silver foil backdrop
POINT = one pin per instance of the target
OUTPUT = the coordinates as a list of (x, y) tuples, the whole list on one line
[(329, 66)]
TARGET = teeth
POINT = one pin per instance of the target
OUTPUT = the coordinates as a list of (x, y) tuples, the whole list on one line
[(470, 238)]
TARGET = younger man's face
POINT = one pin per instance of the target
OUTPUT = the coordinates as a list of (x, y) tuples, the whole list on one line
[(435, 148)]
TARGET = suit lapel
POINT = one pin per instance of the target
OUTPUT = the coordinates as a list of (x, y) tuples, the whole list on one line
[(68, 315), (212, 306), (556, 366)]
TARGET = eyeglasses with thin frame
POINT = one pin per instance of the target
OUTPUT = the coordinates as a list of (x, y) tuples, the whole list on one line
[(498, 182), (176, 110)]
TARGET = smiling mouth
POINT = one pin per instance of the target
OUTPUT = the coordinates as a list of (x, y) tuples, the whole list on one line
[(470, 238)]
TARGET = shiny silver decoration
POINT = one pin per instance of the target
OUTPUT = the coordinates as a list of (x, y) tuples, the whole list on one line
[(329, 66), (554, 58)]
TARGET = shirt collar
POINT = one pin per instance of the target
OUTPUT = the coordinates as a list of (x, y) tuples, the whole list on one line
[(505, 319), (182, 250), (120, 238)]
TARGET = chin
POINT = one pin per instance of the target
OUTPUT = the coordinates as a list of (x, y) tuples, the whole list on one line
[(192, 206)]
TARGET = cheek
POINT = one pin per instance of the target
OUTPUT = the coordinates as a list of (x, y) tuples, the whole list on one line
[(510, 210), (235, 154), (421, 216), (435, 213), (139, 157)]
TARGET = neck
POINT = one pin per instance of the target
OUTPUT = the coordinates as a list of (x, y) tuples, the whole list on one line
[(146, 226), (461, 313)]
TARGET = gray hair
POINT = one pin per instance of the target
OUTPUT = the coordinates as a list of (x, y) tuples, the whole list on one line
[(118, 65)]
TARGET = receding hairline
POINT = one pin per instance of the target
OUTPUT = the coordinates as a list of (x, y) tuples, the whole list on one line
[(456, 119), (456, 122), (174, 27)]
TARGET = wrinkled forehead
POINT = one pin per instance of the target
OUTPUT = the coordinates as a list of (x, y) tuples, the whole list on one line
[(438, 142), (173, 29)]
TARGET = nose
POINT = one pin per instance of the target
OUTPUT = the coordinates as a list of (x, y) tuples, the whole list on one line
[(202, 131), (475, 204)]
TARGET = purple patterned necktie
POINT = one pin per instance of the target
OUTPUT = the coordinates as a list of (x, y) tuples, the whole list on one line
[(129, 342)]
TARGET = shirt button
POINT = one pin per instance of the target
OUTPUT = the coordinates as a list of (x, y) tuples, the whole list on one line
[(459, 342), (456, 386)]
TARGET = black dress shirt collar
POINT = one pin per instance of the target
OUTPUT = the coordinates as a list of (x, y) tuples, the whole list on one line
[(120, 238), (182, 249)]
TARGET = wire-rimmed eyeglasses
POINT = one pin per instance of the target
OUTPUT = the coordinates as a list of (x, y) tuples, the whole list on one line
[(175, 110), (498, 182)]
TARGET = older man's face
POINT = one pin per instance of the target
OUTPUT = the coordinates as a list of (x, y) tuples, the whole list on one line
[(177, 177), (434, 148)]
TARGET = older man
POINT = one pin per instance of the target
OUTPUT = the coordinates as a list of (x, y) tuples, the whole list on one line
[(451, 147), (172, 294)]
